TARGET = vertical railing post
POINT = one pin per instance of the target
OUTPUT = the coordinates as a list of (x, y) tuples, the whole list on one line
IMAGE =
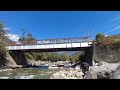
[(15, 47), (26, 47), (53, 46)]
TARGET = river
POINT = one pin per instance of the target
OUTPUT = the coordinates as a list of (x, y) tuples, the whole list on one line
[(27, 73)]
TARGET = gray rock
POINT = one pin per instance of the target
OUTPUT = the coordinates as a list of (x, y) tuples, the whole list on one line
[(95, 63), (67, 74), (116, 73), (57, 75), (102, 63), (103, 71), (79, 75)]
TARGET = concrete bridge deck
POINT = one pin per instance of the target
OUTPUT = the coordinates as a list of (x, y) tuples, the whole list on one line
[(51, 46)]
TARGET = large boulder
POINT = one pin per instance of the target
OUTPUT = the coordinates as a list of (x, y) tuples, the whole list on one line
[(116, 73), (103, 71)]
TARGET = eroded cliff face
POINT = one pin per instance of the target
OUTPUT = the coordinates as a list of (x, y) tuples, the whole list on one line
[(13, 59), (7, 61), (106, 54), (10, 61)]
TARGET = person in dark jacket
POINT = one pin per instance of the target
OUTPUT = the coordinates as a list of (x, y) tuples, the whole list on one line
[(85, 70)]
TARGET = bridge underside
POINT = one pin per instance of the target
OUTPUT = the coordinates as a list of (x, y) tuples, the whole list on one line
[(53, 49), (88, 52)]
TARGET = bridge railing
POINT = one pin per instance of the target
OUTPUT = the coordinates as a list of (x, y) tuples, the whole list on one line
[(55, 41), (64, 40)]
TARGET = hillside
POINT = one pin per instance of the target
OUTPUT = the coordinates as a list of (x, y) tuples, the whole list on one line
[(10, 42)]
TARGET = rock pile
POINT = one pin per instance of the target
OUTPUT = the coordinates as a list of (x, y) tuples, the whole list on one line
[(102, 70), (68, 74)]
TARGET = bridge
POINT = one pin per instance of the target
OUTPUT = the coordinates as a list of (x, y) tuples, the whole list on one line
[(52, 45)]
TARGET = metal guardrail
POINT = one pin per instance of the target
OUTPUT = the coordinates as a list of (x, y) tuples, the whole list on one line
[(55, 41), (64, 40)]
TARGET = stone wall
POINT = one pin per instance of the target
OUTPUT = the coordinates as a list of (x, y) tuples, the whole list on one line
[(106, 54)]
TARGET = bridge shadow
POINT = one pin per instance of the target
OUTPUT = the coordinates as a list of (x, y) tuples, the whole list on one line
[(18, 57)]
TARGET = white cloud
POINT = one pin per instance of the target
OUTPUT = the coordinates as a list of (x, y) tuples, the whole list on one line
[(118, 27), (114, 29), (13, 37), (6, 28), (116, 18)]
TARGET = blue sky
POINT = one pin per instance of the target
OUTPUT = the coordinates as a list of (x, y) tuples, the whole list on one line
[(61, 24)]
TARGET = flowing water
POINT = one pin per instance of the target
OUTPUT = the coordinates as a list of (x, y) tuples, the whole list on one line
[(27, 73)]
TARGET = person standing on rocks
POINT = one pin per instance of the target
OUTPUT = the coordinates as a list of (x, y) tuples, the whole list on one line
[(85, 70)]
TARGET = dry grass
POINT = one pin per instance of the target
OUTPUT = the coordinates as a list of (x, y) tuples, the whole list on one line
[(113, 41)]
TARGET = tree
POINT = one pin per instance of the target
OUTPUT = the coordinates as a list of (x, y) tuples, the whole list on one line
[(27, 40), (65, 56), (23, 38), (29, 37), (99, 38), (3, 38)]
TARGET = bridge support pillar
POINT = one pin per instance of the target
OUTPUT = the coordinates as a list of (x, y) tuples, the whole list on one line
[(89, 55), (18, 57)]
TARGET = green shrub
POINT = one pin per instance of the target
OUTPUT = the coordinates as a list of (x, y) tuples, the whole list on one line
[(53, 56), (99, 38)]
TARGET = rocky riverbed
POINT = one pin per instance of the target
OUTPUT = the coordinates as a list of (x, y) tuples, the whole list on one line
[(102, 70), (68, 74), (39, 62)]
